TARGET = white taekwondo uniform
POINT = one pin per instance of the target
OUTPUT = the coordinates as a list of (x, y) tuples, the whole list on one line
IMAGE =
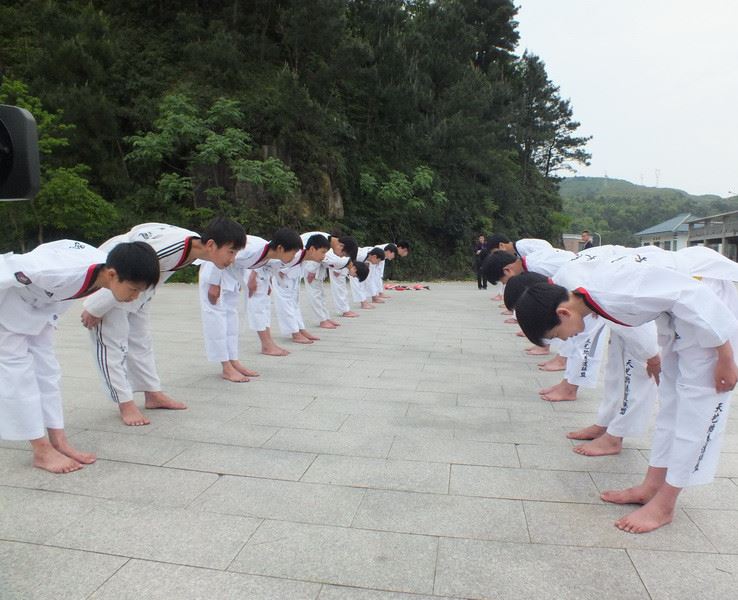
[(286, 288), (376, 275), (527, 246), (314, 288), (220, 321), (338, 273), (318, 272), (629, 416), (583, 352), (692, 321), (286, 284), (362, 291), (121, 342), (253, 259), (35, 289)]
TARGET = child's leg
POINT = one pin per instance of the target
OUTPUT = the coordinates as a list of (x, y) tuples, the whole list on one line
[(230, 304), (48, 377), (21, 411), (259, 312), (285, 289), (583, 365), (142, 364), (110, 346), (316, 297), (339, 291), (614, 389)]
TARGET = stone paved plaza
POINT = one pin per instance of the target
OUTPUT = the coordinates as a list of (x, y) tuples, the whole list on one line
[(405, 456)]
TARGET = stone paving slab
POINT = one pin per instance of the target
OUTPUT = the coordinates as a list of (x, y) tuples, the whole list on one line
[(33, 572), (169, 535), (492, 570), (404, 456), (282, 500), (389, 561), (148, 580)]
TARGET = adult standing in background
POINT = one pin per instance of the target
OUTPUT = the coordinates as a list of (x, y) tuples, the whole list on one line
[(587, 239), (480, 253)]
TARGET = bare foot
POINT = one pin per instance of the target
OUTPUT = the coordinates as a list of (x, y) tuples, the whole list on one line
[(557, 363), (274, 351), (364, 305), (383, 296), (336, 323), (506, 312), (497, 298), (309, 335), (243, 370), (588, 433), (327, 325), (131, 415), (377, 300), (48, 458), (58, 439), (639, 494), (511, 321), (154, 400), (602, 446), (230, 373), (561, 392), (298, 338), (351, 314), (520, 334), (646, 518), (537, 351)]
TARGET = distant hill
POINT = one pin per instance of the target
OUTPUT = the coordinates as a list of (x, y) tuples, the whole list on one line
[(616, 208), (604, 187)]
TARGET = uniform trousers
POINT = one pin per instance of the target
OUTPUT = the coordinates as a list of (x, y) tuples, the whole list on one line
[(259, 304), (286, 289), (30, 397), (220, 325), (339, 290), (315, 291), (124, 353), (584, 353), (630, 394), (692, 414)]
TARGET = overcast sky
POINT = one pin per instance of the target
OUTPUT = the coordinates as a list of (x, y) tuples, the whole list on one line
[(654, 81)]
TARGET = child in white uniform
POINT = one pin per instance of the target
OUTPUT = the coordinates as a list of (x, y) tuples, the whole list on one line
[(219, 294), (286, 288), (698, 370), (35, 289), (254, 265), (121, 333)]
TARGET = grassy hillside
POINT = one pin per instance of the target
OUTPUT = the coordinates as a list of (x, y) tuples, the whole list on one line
[(617, 209)]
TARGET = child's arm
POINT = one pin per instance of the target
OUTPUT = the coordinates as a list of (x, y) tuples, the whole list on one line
[(251, 285), (213, 294), (726, 373)]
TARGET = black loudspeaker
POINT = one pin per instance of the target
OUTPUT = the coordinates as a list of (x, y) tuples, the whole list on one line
[(19, 159)]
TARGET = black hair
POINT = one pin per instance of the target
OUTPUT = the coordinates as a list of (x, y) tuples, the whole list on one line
[(390, 248), (536, 310), (515, 286), (350, 246), (494, 265), (136, 262), (223, 232), (496, 239), (318, 241), (362, 270), (289, 239), (404, 244), (378, 252)]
